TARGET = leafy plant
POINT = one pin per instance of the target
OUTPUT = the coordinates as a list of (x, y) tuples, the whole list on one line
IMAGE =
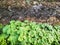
[(1, 26), (31, 33), (2, 40)]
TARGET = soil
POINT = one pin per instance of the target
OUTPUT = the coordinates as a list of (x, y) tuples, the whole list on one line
[(40, 13)]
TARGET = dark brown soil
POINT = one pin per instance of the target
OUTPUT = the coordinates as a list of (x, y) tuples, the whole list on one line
[(41, 13)]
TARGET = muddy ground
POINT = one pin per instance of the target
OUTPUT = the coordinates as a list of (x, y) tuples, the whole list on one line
[(41, 13)]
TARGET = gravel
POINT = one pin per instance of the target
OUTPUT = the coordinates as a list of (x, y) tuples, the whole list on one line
[(38, 12)]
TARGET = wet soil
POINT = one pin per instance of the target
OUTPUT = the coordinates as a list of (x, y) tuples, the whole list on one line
[(41, 13)]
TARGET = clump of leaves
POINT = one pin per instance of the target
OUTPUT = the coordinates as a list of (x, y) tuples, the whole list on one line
[(1, 26), (2, 40), (31, 33)]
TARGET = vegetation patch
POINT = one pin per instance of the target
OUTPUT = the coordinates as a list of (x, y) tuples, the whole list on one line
[(30, 33)]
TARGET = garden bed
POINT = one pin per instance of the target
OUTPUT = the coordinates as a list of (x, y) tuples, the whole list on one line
[(43, 27)]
